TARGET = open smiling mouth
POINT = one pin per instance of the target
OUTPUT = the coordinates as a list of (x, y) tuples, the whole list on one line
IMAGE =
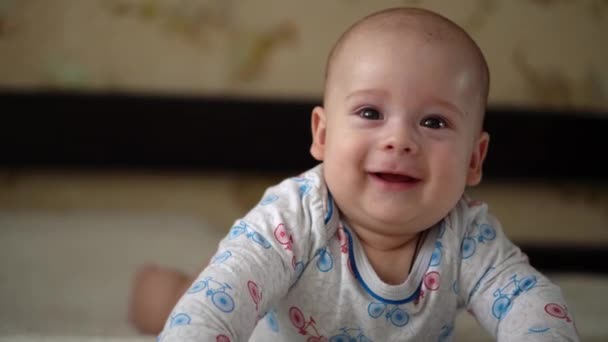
[(394, 178)]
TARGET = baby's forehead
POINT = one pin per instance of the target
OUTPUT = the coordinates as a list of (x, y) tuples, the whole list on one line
[(405, 26), (408, 25)]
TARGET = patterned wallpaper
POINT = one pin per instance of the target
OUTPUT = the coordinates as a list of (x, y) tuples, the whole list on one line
[(542, 53)]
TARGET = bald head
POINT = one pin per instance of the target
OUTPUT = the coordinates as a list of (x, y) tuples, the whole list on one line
[(424, 26)]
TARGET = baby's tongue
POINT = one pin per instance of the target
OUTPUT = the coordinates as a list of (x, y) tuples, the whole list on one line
[(390, 177)]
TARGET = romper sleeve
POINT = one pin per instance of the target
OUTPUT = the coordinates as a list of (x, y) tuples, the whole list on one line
[(508, 297), (255, 265)]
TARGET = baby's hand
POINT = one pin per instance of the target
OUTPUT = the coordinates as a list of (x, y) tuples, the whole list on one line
[(154, 293)]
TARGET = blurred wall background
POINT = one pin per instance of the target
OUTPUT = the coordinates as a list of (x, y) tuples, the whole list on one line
[(542, 53)]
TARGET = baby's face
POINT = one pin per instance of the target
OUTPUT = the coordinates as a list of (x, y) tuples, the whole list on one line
[(400, 133)]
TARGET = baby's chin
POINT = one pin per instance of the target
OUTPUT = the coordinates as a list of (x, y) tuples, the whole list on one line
[(391, 219)]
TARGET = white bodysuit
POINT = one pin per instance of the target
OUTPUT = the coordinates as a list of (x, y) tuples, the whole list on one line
[(291, 271)]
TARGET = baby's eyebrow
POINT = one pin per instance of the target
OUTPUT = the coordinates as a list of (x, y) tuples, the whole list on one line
[(450, 106), (368, 92)]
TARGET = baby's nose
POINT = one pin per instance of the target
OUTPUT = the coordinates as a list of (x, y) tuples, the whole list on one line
[(401, 141)]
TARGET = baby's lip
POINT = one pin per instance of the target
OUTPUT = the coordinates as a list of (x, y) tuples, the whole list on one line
[(395, 177)]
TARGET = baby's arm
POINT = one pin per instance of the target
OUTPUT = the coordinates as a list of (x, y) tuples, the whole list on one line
[(509, 298), (253, 269)]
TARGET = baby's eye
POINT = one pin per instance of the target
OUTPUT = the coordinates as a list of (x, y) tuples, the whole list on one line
[(433, 122), (370, 114)]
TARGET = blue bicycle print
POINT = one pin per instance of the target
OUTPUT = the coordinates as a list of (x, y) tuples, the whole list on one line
[(507, 293), (325, 262), (478, 283), (179, 319), (436, 256), (485, 233), (273, 322), (350, 335), (537, 330), (221, 257), (304, 187), (445, 332), (243, 228), (217, 292), (269, 199), (395, 315)]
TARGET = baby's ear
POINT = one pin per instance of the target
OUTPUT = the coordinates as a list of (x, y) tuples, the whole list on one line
[(477, 157), (318, 123)]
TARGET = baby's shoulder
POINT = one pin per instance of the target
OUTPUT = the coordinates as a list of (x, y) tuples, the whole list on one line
[(302, 201), (306, 190), (466, 213)]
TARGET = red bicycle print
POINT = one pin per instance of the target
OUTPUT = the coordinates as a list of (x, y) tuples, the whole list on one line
[(558, 311), (432, 282), (299, 321), (285, 239), (255, 293), (343, 240), (222, 338)]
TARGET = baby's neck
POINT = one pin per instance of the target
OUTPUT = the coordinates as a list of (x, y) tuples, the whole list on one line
[(391, 257)]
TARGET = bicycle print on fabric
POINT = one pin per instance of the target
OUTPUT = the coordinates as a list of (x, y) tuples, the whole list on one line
[(556, 311), (216, 291), (179, 319), (272, 320), (431, 282), (483, 234), (393, 313), (254, 293), (304, 186), (325, 262), (302, 325), (350, 335), (243, 228), (221, 257), (506, 294)]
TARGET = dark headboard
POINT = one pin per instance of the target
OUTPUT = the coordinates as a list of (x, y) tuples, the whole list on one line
[(133, 131)]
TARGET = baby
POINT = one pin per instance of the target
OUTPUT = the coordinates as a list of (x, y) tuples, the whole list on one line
[(378, 242)]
